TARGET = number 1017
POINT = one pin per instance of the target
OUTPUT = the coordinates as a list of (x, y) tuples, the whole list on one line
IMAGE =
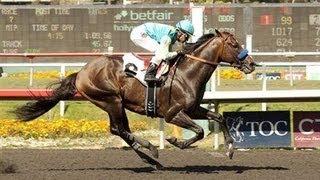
[(281, 31)]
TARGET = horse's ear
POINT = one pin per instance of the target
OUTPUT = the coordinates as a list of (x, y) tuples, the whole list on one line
[(218, 33)]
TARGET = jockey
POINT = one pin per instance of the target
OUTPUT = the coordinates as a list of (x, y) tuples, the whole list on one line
[(159, 38)]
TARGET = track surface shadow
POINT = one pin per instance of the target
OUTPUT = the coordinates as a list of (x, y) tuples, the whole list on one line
[(185, 169)]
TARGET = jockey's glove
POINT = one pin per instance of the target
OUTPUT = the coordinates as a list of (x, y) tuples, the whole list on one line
[(181, 53)]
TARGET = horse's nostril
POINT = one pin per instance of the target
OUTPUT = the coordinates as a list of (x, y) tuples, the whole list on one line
[(253, 64)]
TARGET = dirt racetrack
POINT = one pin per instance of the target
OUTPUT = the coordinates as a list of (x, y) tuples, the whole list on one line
[(178, 164)]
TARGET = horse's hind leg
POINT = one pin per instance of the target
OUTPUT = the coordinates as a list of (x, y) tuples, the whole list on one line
[(181, 119), (119, 122), (119, 126), (118, 119), (203, 113)]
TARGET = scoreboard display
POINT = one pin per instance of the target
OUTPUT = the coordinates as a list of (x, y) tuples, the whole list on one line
[(37, 29), (225, 18), (287, 29), (100, 28)]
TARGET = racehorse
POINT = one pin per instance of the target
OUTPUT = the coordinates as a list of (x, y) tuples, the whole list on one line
[(104, 83)]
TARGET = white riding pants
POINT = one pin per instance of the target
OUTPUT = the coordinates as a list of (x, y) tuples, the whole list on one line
[(140, 38)]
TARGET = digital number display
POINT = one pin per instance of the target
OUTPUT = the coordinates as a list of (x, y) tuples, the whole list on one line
[(285, 29), (274, 28), (36, 29), (224, 18)]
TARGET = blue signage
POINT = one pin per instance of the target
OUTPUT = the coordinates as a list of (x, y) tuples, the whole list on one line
[(259, 129)]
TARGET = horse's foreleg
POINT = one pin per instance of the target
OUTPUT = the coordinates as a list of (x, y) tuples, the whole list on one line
[(203, 113), (181, 119)]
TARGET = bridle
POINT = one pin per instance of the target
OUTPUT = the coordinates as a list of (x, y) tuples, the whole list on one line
[(240, 57)]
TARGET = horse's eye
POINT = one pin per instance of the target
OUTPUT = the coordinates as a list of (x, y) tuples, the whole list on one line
[(236, 45)]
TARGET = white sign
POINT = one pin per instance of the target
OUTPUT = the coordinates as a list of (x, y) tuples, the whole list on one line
[(313, 72), (314, 19)]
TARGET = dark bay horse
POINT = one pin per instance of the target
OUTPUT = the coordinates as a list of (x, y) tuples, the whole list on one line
[(104, 83)]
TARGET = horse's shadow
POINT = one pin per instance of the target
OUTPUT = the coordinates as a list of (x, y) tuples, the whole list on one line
[(185, 169)]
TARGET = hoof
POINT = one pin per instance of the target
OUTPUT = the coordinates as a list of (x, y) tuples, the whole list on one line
[(230, 151), (172, 140), (157, 167), (154, 151)]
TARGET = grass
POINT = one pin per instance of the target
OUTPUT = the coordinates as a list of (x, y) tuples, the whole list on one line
[(24, 83), (242, 85), (76, 110)]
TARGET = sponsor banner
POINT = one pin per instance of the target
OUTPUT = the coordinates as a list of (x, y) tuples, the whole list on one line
[(306, 127), (296, 75), (123, 20), (259, 129), (269, 76)]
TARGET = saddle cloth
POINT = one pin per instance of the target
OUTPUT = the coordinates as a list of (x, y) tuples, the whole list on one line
[(137, 67)]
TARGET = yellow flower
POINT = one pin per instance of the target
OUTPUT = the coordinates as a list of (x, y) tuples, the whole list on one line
[(231, 74), (51, 129), (54, 74)]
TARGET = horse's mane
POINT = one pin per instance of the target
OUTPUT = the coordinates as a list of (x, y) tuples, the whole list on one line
[(190, 47)]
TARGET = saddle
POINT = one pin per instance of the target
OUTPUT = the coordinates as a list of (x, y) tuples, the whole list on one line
[(136, 66)]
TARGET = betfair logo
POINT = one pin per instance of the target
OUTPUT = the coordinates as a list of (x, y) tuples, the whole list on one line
[(150, 15), (122, 14)]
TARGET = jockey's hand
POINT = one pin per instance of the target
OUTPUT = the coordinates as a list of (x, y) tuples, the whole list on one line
[(181, 53)]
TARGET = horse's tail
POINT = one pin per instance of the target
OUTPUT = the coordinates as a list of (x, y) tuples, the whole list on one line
[(34, 109)]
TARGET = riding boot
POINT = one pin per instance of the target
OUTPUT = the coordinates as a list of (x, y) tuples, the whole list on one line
[(151, 73)]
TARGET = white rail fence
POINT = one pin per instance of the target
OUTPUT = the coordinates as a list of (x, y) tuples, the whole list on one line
[(213, 80), (213, 96)]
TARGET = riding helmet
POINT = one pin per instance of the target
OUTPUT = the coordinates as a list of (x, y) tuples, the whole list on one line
[(186, 27)]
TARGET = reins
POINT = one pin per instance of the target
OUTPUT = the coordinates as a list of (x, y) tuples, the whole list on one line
[(213, 63), (209, 62)]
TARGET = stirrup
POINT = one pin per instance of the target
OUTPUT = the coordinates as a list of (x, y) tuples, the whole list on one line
[(150, 78)]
